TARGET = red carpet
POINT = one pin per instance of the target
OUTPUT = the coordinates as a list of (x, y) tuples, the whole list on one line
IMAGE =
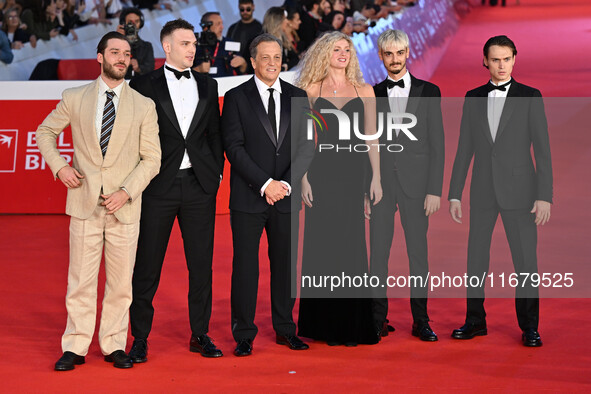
[(553, 43)]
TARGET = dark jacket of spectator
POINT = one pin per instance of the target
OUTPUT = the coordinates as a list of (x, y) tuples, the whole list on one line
[(309, 30), (220, 58), (144, 53), (38, 22), (244, 33)]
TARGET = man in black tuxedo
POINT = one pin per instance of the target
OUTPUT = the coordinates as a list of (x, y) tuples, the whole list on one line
[(412, 179), (500, 122), (192, 164), (266, 172)]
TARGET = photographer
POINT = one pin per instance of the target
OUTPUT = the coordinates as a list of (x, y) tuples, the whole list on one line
[(131, 21), (212, 56)]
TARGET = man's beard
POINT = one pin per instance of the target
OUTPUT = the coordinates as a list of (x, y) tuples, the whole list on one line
[(111, 72), (397, 71)]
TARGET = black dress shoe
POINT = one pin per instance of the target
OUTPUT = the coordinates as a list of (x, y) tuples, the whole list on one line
[(120, 359), (139, 351), (292, 341), (384, 329), (67, 361), (469, 331), (424, 332), (531, 338), (243, 348), (203, 344)]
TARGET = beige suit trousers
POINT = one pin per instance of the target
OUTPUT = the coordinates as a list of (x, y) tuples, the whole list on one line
[(87, 239)]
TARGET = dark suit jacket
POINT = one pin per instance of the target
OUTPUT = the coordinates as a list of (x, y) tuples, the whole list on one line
[(503, 169), (203, 142), (420, 164), (254, 154)]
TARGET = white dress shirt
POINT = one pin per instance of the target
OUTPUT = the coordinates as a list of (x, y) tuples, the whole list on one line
[(398, 97), (100, 104), (496, 102), (263, 89), (185, 96)]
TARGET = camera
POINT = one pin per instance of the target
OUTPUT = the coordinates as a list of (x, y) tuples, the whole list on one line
[(130, 32), (206, 39)]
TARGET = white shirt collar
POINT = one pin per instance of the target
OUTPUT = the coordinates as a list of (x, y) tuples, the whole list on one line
[(263, 87), (103, 87), (502, 83)]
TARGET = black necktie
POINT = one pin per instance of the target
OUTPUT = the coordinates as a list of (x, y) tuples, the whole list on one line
[(179, 74), (490, 86), (271, 112), (399, 83), (108, 121)]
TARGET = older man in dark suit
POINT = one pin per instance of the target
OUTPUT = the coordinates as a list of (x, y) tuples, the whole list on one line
[(266, 171)]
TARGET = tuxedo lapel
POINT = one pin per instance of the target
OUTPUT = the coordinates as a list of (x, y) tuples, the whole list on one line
[(121, 127), (202, 103), (509, 106), (414, 96), (254, 98), (482, 112), (285, 116), (380, 89), (89, 101), (161, 89)]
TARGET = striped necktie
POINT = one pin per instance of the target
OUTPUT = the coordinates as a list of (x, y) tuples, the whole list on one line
[(108, 121)]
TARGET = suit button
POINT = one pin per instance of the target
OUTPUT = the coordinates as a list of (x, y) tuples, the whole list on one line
[(276, 154)]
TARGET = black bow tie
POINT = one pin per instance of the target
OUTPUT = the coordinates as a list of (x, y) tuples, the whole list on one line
[(179, 74), (391, 84), (490, 86)]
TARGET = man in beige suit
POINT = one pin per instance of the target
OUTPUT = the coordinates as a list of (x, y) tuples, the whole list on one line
[(116, 154)]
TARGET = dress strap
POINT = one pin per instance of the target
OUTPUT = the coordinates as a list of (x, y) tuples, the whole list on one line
[(356, 91), (320, 92)]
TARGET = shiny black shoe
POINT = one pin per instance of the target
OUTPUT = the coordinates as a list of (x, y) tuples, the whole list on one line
[(243, 348), (531, 338), (203, 344), (120, 359), (293, 342), (384, 329), (67, 361), (424, 332), (469, 331), (139, 351)]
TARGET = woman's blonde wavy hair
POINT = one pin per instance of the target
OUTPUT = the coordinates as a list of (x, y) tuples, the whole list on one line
[(316, 61)]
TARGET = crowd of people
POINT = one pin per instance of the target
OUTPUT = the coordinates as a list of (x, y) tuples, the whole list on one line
[(297, 24)]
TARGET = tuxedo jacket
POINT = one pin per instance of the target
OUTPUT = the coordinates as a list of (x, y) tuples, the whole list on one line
[(203, 142), (133, 153), (503, 169), (253, 151), (420, 164)]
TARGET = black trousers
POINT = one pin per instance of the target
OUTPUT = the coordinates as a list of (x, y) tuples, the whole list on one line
[(247, 229), (521, 232), (415, 225), (195, 210)]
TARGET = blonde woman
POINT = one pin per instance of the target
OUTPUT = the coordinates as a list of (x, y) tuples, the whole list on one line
[(333, 190)]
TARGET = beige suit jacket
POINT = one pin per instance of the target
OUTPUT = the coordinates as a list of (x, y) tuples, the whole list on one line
[(132, 158)]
